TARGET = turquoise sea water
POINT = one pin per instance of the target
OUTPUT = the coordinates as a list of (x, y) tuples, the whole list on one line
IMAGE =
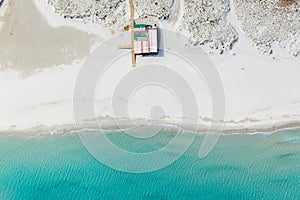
[(239, 167)]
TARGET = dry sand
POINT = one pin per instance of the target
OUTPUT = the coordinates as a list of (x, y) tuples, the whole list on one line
[(262, 93), (27, 41)]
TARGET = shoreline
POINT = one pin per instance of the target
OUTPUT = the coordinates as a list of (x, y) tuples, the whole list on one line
[(112, 125)]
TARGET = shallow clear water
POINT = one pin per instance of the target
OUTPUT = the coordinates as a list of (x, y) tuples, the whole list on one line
[(239, 167)]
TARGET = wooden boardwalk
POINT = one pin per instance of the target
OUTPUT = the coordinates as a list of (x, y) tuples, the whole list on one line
[(132, 32), (131, 46)]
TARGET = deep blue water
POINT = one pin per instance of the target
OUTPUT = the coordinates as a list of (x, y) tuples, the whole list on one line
[(239, 167)]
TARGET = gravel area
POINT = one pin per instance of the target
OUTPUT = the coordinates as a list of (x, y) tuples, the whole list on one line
[(205, 20), (266, 22)]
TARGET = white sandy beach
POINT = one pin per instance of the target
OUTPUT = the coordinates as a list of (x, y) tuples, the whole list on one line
[(261, 91)]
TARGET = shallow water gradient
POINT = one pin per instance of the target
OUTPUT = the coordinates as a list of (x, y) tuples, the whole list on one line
[(239, 167)]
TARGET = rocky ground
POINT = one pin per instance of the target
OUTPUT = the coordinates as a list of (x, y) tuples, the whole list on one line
[(111, 13), (154, 8), (206, 22), (266, 22)]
